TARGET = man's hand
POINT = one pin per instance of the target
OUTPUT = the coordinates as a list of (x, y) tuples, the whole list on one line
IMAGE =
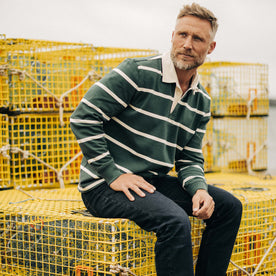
[(126, 182), (203, 205)]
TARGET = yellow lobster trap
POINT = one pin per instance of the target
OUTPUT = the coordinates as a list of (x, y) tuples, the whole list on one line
[(237, 89), (43, 76), (53, 235), (255, 248), (49, 232), (42, 152), (239, 144)]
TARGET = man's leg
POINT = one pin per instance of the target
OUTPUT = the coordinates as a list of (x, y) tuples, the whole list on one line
[(157, 213), (220, 234), (221, 229)]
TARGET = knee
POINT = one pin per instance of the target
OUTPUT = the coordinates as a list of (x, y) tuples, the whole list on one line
[(236, 206), (233, 207), (175, 225)]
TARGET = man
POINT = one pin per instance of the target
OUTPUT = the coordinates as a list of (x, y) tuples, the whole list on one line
[(133, 126)]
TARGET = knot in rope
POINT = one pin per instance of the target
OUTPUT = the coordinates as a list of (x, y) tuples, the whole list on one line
[(92, 75), (124, 271), (25, 153), (4, 151), (59, 103), (21, 74), (3, 69)]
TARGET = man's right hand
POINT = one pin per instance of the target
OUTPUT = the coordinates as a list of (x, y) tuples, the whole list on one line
[(128, 181)]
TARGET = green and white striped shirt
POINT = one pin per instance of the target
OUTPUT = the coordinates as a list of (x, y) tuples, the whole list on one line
[(135, 120)]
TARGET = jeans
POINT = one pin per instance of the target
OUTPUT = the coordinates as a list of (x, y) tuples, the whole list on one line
[(166, 212)]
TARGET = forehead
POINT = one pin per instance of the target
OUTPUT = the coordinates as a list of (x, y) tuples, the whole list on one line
[(193, 25)]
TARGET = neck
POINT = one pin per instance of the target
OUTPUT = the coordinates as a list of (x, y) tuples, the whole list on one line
[(185, 78)]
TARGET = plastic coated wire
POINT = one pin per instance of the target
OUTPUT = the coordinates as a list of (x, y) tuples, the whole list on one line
[(26, 155), (92, 76), (254, 251), (259, 264)]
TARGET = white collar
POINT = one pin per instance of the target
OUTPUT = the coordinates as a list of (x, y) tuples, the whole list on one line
[(169, 73)]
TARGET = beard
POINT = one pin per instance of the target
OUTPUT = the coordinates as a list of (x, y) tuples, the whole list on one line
[(186, 65)]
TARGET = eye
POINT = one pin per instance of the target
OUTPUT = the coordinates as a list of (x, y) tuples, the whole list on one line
[(183, 34), (197, 38)]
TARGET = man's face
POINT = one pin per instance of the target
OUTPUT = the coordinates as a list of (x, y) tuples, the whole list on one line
[(191, 42)]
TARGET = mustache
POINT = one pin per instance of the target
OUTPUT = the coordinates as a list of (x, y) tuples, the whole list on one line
[(186, 53)]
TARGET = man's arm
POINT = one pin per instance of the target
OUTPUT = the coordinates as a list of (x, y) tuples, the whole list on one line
[(190, 162), (190, 168), (106, 99)]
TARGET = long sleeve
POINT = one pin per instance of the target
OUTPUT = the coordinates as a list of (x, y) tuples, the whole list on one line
[(105, 99), (190, 162)]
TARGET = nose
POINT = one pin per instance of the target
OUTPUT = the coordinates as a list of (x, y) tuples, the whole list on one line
[(187, 43)]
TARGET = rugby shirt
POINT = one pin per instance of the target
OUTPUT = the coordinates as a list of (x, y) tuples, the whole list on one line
[(135, 121)]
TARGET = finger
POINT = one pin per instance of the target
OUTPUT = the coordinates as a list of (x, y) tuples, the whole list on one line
[(201, 210), (206, 214), (146, 186), (196, 205), (138, 191), (128, 194)]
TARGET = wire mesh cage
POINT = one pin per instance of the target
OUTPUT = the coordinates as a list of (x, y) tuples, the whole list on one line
[(39, 75), (239, 144), (237, 89), (49, 232), (75, 246), (255, 248), (5, 181), (43, 153)]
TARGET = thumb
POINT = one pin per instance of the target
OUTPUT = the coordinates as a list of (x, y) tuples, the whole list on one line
[(195, 205)]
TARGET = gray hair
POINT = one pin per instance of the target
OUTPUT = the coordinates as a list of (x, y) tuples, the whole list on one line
[(198, 11)]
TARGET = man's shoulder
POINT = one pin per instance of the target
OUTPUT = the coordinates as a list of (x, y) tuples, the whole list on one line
[(154, 62)]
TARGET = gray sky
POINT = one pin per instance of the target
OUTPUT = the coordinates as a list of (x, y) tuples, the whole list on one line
[(247, 31)]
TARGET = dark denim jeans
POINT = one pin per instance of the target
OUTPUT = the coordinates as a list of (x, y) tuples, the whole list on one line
[(166, 212)]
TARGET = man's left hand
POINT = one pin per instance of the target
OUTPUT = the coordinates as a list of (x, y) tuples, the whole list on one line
[(203, 204)]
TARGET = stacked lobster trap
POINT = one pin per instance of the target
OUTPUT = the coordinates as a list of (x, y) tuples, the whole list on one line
[(254, 252), (49, 232), (41, 83), (236, 138)]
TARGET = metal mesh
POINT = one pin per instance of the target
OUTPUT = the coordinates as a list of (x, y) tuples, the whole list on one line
[(41, 83), (49, 232), (39, 76), (240, 144), (237, 89), (40, 148), (255, 248), (236, 144)]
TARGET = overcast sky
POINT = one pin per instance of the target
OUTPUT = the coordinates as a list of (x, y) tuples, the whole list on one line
[(247, 31)]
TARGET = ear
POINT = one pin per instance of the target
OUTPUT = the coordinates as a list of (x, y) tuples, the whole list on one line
[(172, 36), (212, 47)]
